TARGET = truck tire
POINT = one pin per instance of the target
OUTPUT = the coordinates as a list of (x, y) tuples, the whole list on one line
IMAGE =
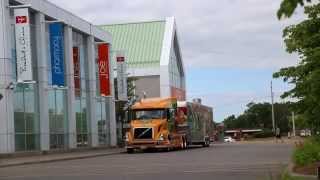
[(130, 150), (207, 143)]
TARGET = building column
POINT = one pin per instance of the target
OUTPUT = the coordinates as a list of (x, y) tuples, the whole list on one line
[(42, 81), (7, 140), (91, 92), (111, 102), (69, 70)]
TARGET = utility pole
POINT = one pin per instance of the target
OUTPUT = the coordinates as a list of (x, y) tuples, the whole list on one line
[(272, 111), (293, 125)]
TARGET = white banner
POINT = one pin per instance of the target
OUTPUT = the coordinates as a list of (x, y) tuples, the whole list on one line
[(121, 77), (23, 44)]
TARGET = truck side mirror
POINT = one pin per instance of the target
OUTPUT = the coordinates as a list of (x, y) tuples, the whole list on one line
[(1, 96), (171, 114)]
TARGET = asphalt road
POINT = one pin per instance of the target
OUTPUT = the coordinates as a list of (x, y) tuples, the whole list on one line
[(253, 161)]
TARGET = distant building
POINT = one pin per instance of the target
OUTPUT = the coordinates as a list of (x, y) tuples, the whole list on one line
[(153, 56), (240, 133)]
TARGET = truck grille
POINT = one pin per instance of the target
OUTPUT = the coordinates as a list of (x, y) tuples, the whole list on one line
[(143, 133)]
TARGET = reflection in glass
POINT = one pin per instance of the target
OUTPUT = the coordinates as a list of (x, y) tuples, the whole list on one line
[(57, 117), (26, 118), (81, 121), (101, 121)]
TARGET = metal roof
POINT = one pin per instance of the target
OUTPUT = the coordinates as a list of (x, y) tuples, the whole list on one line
[(141, 42), (67, 17)]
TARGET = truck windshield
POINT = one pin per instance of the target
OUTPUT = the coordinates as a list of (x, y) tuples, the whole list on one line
[(149, 114)]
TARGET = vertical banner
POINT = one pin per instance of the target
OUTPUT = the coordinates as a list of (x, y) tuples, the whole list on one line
[(57, 53), (103, 64), (121, 77), (23, 44), (76, 68)]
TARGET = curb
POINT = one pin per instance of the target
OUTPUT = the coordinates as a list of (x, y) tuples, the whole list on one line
[(59, 159)]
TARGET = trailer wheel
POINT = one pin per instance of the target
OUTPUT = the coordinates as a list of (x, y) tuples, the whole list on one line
[(207, 142)]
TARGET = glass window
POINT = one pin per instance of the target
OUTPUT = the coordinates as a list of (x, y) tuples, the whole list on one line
[(81, 122), (101, 121), (57, 117), (149, 114), (26, 118)]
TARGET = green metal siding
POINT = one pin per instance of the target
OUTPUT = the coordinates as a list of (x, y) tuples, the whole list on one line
[(141, 42)]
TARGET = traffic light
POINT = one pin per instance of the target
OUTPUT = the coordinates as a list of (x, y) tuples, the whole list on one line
[(1, 96)]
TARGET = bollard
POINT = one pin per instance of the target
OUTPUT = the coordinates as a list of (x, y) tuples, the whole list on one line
[(318, 173)]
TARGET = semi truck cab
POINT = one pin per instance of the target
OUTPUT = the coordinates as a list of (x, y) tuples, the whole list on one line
[(152, 125)]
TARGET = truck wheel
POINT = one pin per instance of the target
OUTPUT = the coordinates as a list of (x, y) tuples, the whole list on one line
[(203, 144), (130, 150), (207, 143)]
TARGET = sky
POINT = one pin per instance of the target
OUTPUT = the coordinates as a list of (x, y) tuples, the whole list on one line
[(230, 48)]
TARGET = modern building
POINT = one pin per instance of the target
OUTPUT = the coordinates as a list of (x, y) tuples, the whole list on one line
[(153, 56), (52, 64)]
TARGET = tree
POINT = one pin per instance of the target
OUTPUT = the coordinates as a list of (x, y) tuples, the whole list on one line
[(304, 39), (258, 115), (229, 121), (288, 7)]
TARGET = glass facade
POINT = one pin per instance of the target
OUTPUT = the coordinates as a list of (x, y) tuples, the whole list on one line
[(26, 119), (29, 122), (57, 118), (101, 117), (176, 77)]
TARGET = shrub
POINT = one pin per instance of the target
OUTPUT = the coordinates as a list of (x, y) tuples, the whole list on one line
[(287, 176), (307, 153)]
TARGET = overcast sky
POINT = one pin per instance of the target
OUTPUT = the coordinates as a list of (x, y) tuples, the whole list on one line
[(230, 47)]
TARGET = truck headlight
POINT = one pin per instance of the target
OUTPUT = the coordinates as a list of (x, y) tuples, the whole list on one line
[(161, 138)]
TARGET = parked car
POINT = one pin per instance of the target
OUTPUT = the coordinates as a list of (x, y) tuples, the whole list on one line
[(228, 139), (305, 132)]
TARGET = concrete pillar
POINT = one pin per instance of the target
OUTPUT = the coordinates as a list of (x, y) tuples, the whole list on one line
[(111, 105), (71, 116), (91, 92), (42, 81), (7, 140)]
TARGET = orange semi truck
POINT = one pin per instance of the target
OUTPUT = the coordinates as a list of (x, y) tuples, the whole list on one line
[(165, 123)]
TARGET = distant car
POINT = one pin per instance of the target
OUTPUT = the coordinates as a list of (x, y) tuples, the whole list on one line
[(228, 139), (305, 132)]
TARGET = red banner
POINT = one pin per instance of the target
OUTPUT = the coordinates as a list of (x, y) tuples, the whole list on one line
[(103, 62), (76, 68)]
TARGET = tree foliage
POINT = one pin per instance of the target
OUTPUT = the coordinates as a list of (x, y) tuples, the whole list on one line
[(258, 115), (304, 39), (288, 7)]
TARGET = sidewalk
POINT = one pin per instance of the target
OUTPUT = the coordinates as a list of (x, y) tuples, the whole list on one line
[(52, 157)]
